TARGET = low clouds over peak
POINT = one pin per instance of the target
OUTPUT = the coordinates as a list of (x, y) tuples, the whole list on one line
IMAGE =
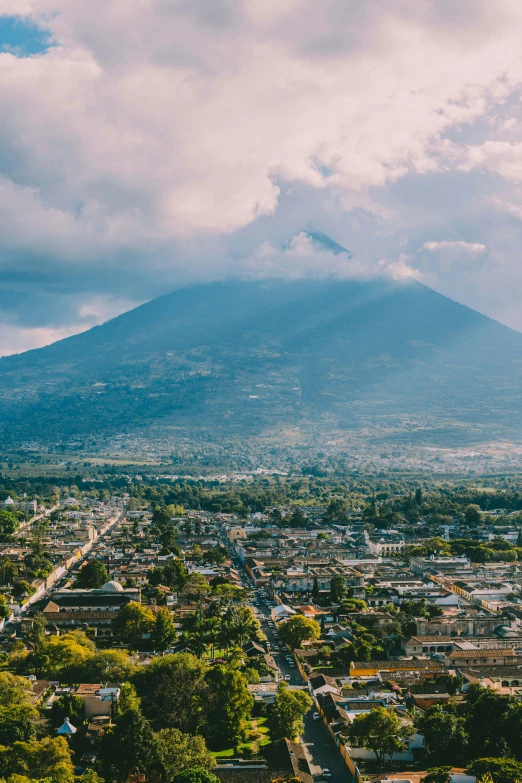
[(155, 144)]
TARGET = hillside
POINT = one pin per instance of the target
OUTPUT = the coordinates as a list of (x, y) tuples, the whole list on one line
[(240, 358)]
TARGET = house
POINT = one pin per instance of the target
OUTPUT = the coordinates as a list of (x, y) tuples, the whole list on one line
[(476, 657), (372, 668), (382, 547), (282, 612), (425, 696), (97, 700), (264, 692), (321, 684), (421, 645)]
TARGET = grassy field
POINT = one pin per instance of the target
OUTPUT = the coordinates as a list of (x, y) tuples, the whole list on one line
[(258, 739)]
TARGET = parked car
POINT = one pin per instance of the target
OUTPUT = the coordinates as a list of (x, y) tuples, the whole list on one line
[(316, 716), (327, 774), (287, 678)]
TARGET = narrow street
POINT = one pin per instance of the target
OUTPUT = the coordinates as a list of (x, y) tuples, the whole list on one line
[(320, 748), (322, 752)]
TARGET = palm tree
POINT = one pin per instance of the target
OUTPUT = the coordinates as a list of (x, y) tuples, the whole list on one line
[(212, 629), (197, 639), (243, 624), (227, 634)]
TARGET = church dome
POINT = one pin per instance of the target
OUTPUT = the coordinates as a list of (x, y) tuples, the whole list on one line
[(112, 587), (506, 632)]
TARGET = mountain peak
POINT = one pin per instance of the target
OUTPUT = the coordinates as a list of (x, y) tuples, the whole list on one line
[(324, 242)]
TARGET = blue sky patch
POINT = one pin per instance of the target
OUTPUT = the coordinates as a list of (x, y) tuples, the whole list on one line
[(22, 38)]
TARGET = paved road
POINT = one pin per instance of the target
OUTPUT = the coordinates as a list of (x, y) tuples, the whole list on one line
[(322, 751), (320, 748)]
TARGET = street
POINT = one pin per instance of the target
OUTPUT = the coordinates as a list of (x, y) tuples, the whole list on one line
[(320, 748)]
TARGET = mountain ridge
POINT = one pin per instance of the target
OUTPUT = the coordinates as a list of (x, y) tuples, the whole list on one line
[(239, 358)]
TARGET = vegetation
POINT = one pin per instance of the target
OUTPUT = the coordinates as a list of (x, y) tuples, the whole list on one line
[(379, 730), (298, 629), (289, 709), (93, 575)]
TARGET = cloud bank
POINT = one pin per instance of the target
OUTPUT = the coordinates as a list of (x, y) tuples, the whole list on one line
[(154, 144)]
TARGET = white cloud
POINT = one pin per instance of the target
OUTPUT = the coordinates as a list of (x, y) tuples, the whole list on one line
[(178, 119), (304, 257), (141, 150), (15, 339), (499, 157), (456, 247)]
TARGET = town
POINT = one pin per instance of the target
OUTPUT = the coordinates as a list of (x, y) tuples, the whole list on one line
[(303, 635)]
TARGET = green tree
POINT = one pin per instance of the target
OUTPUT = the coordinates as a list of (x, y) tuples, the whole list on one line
[(491, 722), (174, 692), (175, 575), (315, 589), (212, 628), (9, 524), (68, 654), (132, 622), (13, 690), (39, 759), (129, 742), (444, 734), (179, 752), (5, 611), (337, 511), (288, 712), (244, 623), (92, 576), (164, 634), (129, 699), (297, 519), (338, 589), (38, 658), (473, 514), (379, 730), (230, 704), (161, 516), (155, 576), (437, 775), (216, 555), (298, 629), (502, 770), (18, 723), (21, 589), (106, 666)]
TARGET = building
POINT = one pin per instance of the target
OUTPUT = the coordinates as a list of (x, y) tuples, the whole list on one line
[(440, 565), (476, 657), (97, 700), (373, 668), (29, 506), (97, 608)]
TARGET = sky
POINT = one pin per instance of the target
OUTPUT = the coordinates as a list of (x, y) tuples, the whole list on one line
[(152, 144)]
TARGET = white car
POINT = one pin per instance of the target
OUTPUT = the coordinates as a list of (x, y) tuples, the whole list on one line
[(327, 774), (287, 678), (316, 716)]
